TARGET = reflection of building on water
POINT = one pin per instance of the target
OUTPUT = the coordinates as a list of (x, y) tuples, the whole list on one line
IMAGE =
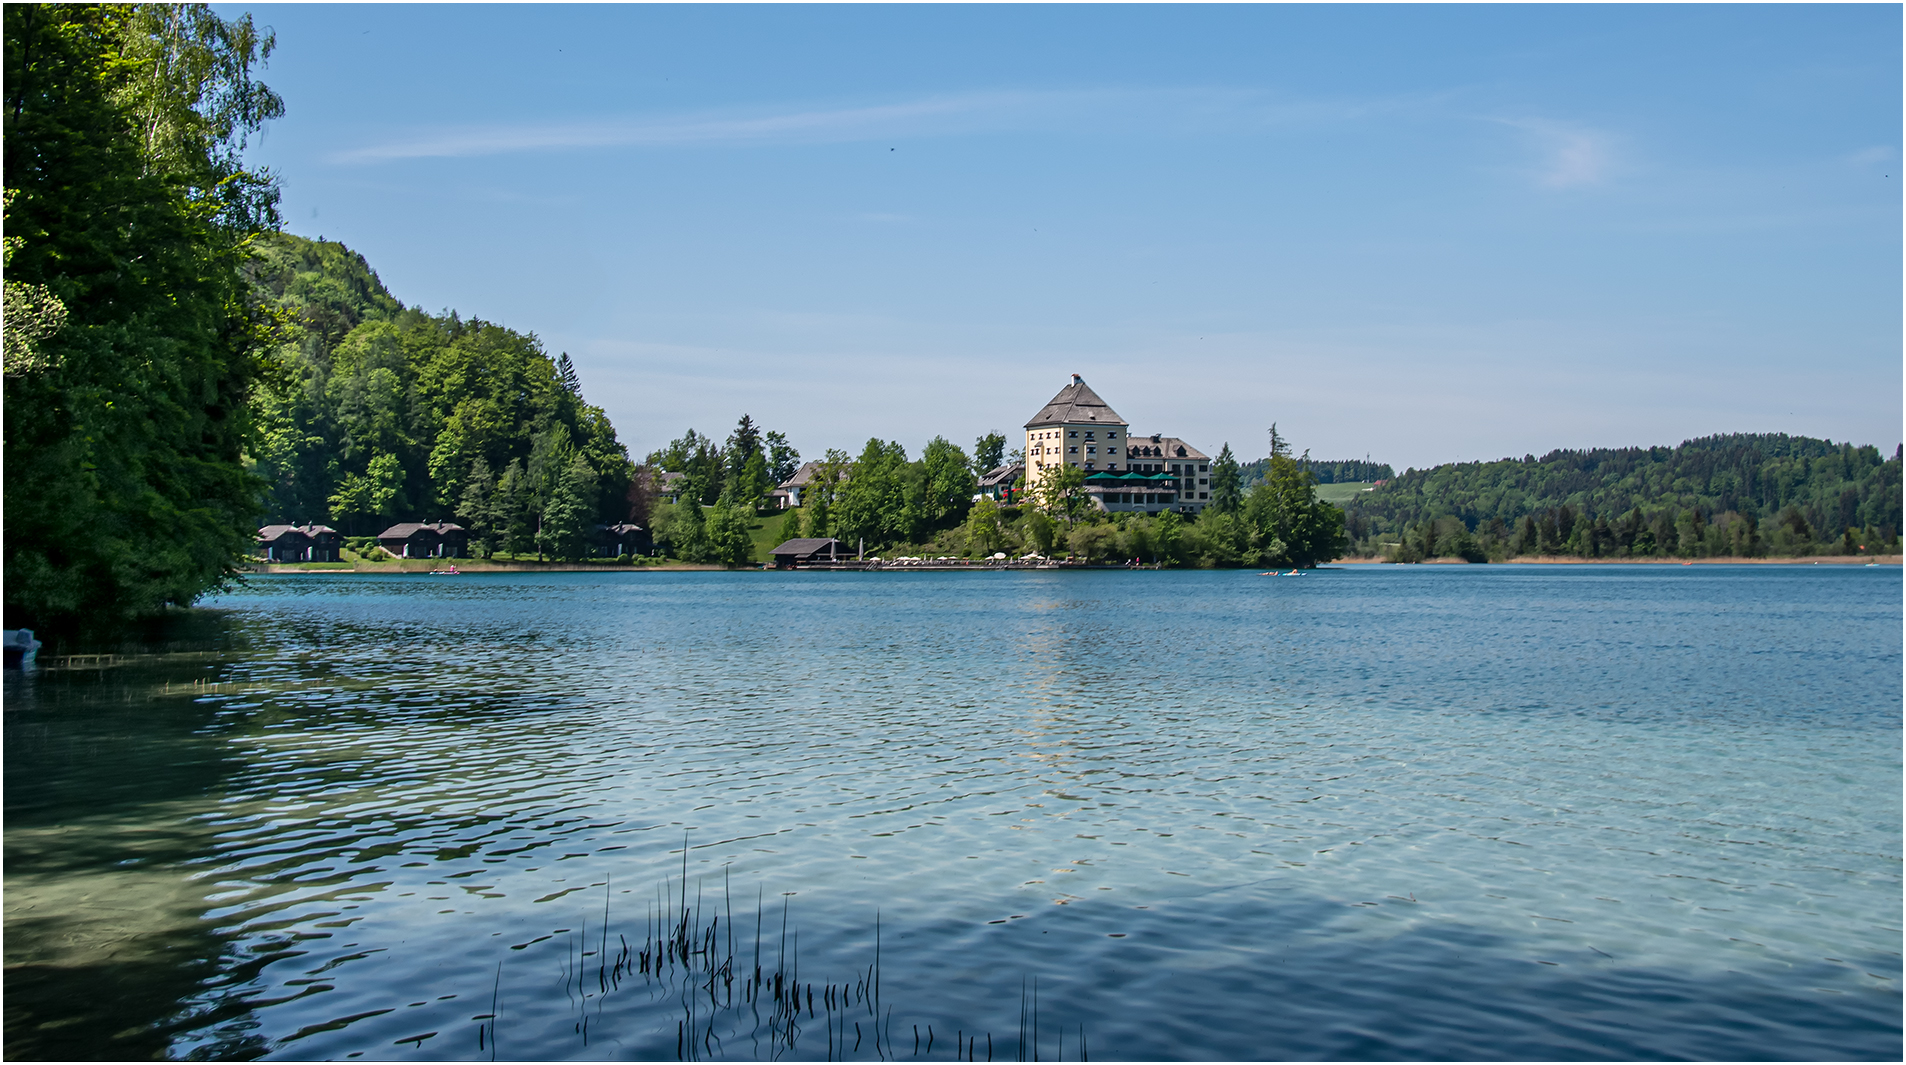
[(1140, 474)]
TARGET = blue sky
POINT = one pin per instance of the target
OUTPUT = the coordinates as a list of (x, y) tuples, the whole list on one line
[(1425, 234)]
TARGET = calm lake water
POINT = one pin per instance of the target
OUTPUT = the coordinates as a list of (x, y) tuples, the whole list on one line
[(1374, 812)]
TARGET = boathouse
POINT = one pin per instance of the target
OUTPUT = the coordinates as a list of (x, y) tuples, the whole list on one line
[(809, 550)]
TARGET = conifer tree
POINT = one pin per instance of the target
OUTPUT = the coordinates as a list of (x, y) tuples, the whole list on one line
[(1227, 493)]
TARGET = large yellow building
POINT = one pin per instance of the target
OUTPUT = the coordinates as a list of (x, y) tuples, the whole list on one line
[(1145, 474)]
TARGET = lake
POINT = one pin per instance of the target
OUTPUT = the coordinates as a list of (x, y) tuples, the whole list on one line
[(1498, 812)]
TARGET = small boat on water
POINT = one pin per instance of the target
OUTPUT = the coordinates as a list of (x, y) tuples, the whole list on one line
[(453, 571), (20, 647)]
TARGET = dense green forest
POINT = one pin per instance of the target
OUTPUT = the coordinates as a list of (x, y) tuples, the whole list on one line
[(379, 413), (133, 349), (177, 370), (1738, 495), (1327, 471)]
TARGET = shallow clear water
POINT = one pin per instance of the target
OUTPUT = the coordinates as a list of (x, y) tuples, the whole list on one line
[(1423, 812)]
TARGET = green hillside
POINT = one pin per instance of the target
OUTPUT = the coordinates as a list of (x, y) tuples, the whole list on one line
[(381, 413)]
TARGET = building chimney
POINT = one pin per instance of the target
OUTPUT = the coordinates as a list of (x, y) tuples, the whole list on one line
[(1077, 380)]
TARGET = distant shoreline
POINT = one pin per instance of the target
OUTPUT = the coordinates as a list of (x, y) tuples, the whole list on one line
[(1563, 560), (427, 566), (424, 567)]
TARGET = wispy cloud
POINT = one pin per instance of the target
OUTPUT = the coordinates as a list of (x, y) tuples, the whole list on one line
[(1572, 155), (1181, 109)]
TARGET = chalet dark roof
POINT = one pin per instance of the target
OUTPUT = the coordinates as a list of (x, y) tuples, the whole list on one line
[(806, 474), (1076, 403), (1005, 475), (808, 547), (1157, 446), (802, 477), (275, 532), (407, 529), (621, 528)]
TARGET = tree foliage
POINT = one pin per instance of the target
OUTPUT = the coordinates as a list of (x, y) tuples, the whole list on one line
[(129, 209), (989, 452), (1227, 491), (381, 412)]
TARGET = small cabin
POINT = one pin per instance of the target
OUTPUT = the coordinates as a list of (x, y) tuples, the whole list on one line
[(809, 550), (416, 539), (622, 538), (299, 543)]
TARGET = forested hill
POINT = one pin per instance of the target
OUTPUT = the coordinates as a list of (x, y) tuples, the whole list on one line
[(1817, 491), (381, 413), (1327, 471)]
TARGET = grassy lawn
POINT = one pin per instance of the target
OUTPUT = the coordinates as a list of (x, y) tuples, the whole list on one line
[(766, 533), (1339, 494)]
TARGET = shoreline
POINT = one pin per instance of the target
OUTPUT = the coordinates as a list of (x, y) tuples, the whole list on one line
[(1719, 560), (426, 566)]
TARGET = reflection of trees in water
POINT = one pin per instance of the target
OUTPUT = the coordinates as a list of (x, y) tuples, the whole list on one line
[(111, 774)]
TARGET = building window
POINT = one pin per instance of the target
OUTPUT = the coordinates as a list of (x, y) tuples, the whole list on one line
[(1204, 495), (1074, 433), (1073, 450), (1088, 434), (1091, 450)]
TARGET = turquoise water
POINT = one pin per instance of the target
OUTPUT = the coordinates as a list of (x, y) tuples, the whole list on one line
[(1374, 812)]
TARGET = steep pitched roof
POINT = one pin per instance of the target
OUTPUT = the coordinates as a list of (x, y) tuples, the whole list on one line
[(1076, 402), (406, 529), (1166, 447), (810, 470), (1005, 475), (808, 547)]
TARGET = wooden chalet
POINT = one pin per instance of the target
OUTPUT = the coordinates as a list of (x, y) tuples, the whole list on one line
[(299, 543), (810, 550), (622, 538), (416, 539)]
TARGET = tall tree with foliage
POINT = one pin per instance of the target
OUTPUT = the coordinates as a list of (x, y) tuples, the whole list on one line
[(128, 204), (1062, 494), (1288, 524), (989, 453), (881, 502), (1227, 492), (949, 483), (568, 517), (727, 540), (783, 460)]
